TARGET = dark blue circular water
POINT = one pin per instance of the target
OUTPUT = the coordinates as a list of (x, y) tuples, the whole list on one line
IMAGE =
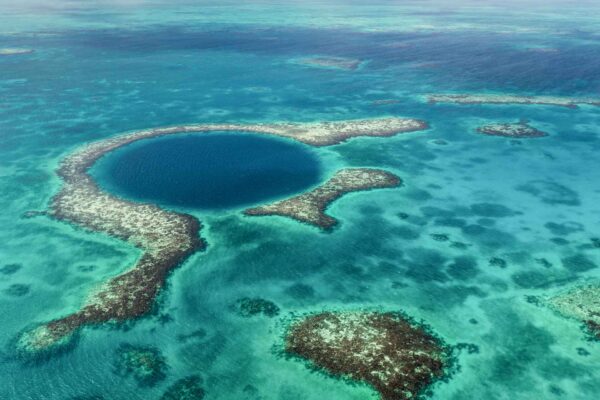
[(208, 171)]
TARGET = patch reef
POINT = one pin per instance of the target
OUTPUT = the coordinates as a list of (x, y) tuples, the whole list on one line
[(519, 130), (396, 357), (581, 303), (348, 64)]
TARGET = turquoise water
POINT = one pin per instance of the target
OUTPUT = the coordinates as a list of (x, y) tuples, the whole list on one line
[(209, 171), (102, 68)]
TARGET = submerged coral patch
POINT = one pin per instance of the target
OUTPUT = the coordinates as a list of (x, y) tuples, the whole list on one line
[(9, 269), (145, 364), (492, 210), (343, 63), (578, 263), (497, 262), (463, 268), (550, 192), (397, 357), (189, 388), (249, 307), (563, 229), (17, 290)]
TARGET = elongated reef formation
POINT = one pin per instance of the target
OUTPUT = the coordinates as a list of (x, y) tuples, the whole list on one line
[(166, 238), (396, 357), (581, 303), (570, 102), (518, 130), (12, 51), (310, 207), (348, 64)]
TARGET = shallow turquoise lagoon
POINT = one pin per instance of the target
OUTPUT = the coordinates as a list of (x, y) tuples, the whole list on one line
[(102, 68)]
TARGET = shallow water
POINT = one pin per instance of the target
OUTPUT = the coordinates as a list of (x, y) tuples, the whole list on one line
[(100, 69)]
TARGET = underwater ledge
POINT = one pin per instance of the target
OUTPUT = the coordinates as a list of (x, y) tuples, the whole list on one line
[(167, 238)]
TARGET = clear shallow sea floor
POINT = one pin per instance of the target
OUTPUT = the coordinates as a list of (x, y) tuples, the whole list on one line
[(103, 69)]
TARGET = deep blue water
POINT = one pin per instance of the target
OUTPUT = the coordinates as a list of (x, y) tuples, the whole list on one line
[(210, 170)]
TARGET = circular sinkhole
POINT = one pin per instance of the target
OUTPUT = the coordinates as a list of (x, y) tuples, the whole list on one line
[(208, 170)]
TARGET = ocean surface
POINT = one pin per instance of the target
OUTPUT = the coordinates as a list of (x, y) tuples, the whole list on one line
[(429, 249)]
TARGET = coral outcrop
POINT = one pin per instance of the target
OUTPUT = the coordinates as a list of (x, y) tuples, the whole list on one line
[(581, 303), (518, 130), (310, 207), (385, 350)]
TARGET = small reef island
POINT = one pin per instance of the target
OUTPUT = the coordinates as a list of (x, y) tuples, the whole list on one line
[(167, 238), (347, 64), (397, 357), (581, 303), (310, 207), (518, 130), (568, 102)]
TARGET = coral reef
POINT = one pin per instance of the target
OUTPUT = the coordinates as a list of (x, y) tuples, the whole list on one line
[(384, 102), (185, 389), (440, 237), (310, 207), (9, 269), (511, 99), (17, 290), (145, 364), (581, 303), (12, 51), (166, 238), (348, 64), (396, 357), (497, 262), (550, 192), (248, 307), (518, 130)]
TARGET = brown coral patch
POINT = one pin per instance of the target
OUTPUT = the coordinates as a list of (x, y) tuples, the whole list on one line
[(519, 130), (581, 303), (310, 207), (396, 357)]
